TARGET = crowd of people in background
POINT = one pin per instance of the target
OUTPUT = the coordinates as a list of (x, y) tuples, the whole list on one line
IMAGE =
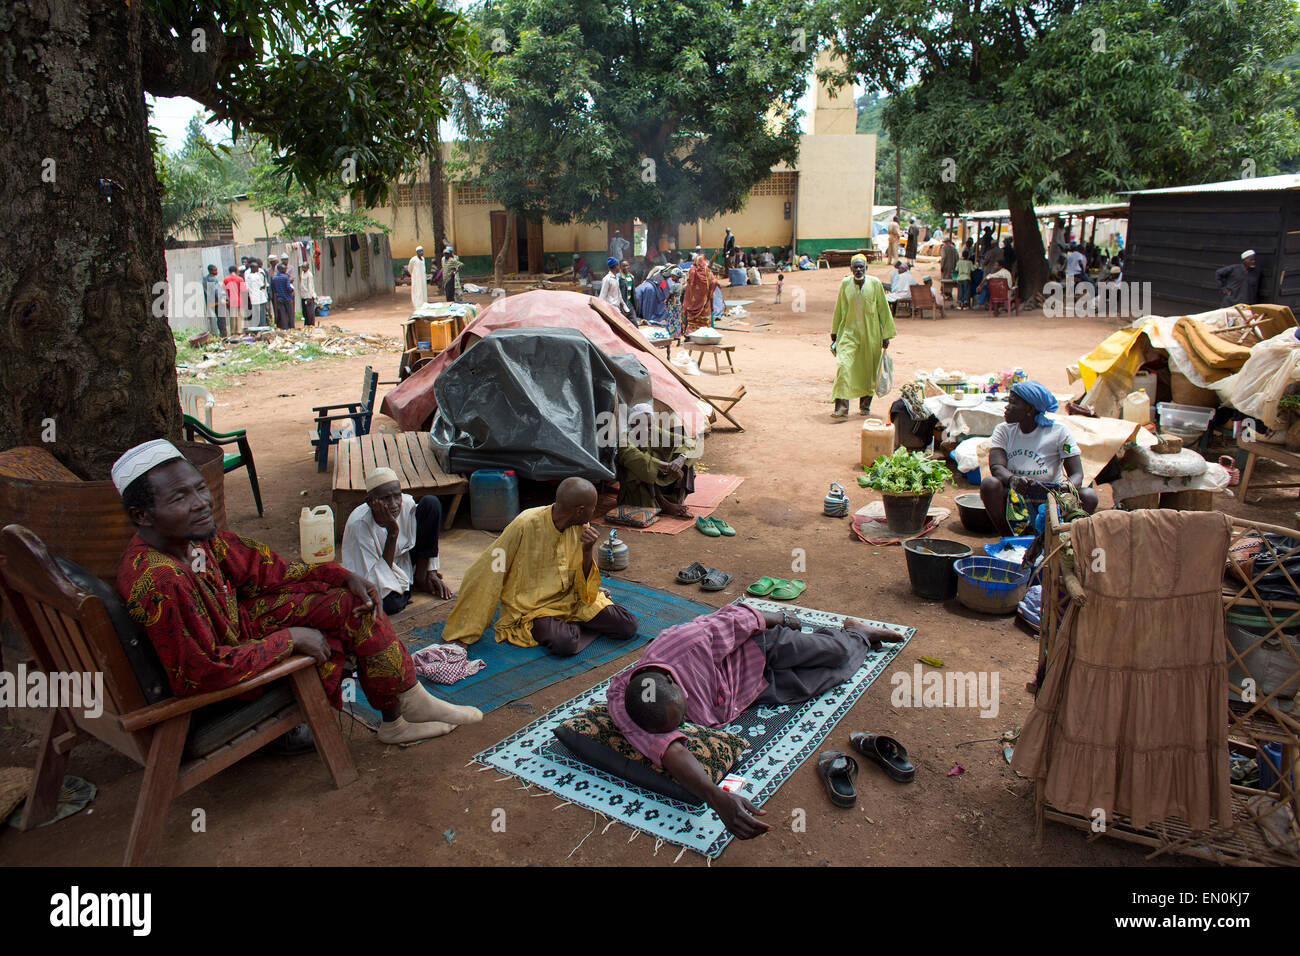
[(240, 300)]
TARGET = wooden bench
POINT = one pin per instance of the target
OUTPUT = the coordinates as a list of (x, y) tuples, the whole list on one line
[(1274, 453), (716, 350), (410, 454)]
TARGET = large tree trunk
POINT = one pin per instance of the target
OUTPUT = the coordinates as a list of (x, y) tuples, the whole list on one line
[(438, 199), (84, 343), (1031, 259), (499, 266)]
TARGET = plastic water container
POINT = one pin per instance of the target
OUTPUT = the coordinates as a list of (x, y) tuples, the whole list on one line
[(1137, 407), (316, 534), (493, 498), (877, 441)]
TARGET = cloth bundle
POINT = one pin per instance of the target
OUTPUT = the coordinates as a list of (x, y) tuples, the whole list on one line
[(445, 663)]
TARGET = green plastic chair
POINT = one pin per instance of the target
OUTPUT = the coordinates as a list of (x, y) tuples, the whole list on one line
[(194, 429)]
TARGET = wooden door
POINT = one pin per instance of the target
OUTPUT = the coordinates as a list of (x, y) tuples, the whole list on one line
[(498, 217), (534, 232)]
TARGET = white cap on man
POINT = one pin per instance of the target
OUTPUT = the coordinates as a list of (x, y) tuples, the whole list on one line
[(1247, 254), (140, 459), (419, 248), (380, 476)]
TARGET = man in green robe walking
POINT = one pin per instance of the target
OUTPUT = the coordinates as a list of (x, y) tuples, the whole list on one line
[(860, 332)]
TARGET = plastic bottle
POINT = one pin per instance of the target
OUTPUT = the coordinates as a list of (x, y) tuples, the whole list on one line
[(877, 441), (493, 498), (316, 534), (1137, 407)]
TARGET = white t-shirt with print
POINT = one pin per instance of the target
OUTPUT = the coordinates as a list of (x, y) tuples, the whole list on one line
[(1038, 455)]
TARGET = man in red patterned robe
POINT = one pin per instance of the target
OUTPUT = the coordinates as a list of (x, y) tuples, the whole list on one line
[(221, 608)]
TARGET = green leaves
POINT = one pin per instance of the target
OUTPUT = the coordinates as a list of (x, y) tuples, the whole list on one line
[(905, 472)]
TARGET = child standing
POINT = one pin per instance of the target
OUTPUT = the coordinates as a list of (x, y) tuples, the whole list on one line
[(780, 278), (965, 267)]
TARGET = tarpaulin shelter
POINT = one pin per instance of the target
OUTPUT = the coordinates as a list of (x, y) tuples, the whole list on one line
[(541, 401), (412, 403)]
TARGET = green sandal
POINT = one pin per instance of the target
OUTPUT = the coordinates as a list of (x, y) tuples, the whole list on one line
[(705, 526), (763, 586), (788, 590), (723, 527)]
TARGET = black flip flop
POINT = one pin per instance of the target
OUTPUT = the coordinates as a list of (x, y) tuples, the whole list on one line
[(886, 751), (715, 580), (838, 772), (693, 574)]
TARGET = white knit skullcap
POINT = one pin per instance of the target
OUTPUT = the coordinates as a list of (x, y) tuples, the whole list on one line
[(140, 459), (1248, 253), (380, 476)]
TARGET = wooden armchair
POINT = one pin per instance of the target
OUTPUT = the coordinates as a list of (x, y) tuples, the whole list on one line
[(1003, 293), (359, 414), (923, 299), (195, 430), (75, 623)]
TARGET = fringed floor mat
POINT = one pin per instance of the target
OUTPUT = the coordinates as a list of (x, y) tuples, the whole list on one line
[(781, 738)]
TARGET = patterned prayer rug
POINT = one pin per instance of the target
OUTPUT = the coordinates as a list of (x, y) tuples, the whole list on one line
[(780, 738)]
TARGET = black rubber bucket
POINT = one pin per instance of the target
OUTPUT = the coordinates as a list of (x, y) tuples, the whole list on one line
[(905, 514), (930, 566)]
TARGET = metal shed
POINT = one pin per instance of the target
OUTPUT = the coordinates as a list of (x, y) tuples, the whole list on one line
[(1180, 236)]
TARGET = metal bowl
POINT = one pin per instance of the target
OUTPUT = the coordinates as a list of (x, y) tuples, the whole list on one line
[(974, 516)]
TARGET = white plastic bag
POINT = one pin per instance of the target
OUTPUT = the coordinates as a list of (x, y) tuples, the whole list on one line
[(885, 380)]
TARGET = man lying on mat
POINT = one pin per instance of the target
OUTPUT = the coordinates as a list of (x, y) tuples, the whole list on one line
[(542, 574), (710, 669), (221, 608)]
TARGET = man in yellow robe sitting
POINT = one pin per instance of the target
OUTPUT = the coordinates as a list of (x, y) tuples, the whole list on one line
[(656, 466), (860, 332), (542, 573)]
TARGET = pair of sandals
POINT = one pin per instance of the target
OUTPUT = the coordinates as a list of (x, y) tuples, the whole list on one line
[(839, 771), (778, 588), (709, 579), (714, 527)]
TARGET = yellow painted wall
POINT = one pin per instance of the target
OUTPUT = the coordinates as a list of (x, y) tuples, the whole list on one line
[(837, 181)]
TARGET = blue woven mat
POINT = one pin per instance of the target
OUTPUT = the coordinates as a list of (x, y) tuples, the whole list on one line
[(781, 738), (515, 672)]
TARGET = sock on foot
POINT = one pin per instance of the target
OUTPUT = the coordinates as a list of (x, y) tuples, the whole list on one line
[(418, 705), (403, 731)]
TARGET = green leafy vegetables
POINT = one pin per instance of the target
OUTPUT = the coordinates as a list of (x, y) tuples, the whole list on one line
[(905, 472)]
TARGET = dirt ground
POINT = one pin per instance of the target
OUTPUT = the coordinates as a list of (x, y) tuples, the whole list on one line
[(430, 805)]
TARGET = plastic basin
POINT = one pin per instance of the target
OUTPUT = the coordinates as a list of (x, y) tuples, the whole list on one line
[(990, 586)]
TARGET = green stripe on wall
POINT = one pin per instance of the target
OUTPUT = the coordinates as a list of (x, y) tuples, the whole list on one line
[(815, 247)]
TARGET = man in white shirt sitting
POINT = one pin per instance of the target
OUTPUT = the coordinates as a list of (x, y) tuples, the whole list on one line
[(393, 541), (1076, 265), (901, 280)]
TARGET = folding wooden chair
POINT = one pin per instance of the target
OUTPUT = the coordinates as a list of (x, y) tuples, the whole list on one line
[(922, 299), (723, 404), (74, 624)]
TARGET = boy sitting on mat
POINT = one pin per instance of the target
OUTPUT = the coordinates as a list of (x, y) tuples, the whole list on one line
[(542, 574), (710, 669)]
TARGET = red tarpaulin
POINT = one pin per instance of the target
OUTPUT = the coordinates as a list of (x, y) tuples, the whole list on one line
[(412, 403)]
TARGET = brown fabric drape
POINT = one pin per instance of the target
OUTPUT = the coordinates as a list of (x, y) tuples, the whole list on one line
[(1133, 714)]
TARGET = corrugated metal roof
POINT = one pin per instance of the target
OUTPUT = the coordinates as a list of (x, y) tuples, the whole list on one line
[(1043, 212), (1256, 184)]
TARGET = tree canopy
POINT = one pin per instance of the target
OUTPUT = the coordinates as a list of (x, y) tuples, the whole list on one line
[(605, 110), (1010, 103)]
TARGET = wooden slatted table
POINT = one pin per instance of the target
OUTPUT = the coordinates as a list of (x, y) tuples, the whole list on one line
[(410, 454)]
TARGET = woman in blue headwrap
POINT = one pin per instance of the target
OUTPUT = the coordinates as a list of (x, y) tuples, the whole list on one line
[(1028, 453)]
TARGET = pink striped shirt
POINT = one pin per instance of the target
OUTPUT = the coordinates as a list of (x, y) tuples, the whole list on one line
[(713, 660)]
